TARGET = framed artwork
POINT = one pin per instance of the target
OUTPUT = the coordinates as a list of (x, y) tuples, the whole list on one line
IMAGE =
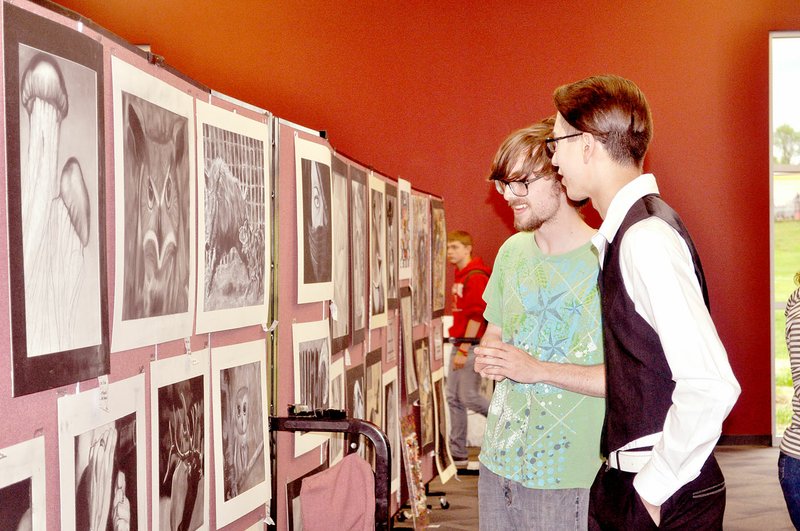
[(445, 465), (22, 486), (392, 243), (392, 339), (355, 396), (314, 232), (336, 441), (373, 399), (417, 498), (311, 344), (102, 457), (404, 226), (391, 423), (241, 444), (154, 209), (438, 340), (56, 203), (179, 415), (377, 254), (411, 386), (421, 259), (438, 257), (233, 273), (358, 252), (294, 514), (426, 412), (340, 308)]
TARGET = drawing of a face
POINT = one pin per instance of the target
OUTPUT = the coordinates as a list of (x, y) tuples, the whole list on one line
[(242, 411)]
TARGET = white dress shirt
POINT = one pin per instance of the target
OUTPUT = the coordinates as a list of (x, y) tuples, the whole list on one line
[(659, 277)]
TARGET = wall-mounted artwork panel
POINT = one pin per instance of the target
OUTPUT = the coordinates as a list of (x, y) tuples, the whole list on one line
[(155, 209), (102, 449), (180, 416), (233, 276), (242, 479), (22, 486), (56, 214), (314, 227)]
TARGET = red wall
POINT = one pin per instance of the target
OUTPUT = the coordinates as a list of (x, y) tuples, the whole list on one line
[(427, 91)]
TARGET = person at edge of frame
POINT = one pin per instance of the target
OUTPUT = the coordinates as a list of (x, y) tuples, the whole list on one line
[(789, 456)]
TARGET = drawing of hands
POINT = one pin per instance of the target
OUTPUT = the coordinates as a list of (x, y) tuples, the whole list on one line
[(101, 467), (121, 515)]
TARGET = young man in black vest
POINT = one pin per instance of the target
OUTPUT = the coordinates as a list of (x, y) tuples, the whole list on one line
[(669, 384)]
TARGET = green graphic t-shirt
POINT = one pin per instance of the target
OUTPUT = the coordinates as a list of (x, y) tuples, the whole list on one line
[(536, 434)]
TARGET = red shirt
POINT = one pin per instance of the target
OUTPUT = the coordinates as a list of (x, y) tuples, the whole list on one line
[(468, 303)]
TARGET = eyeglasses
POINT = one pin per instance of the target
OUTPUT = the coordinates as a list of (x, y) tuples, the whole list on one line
[(553, 142), (518, 188)]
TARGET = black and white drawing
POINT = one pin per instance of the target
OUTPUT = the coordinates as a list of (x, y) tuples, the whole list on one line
[(358, 252), (340, 313), (154, 159), (392, 242), (336, 442), (404, 226), (241, 444), (438, 258), (391, 423), (56, 172), (102, 451), (421, 262), (377, 254), (426, 411), (373, 396), (22, 486), (314, 226), (179, 409), (409, 370), (445, 465), (311, 344), (233, 275)]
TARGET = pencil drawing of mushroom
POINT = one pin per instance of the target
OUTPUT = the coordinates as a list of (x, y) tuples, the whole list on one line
[(56, 213)]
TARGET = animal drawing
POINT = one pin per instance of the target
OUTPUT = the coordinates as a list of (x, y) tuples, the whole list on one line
[(156, 142), (227, 225)]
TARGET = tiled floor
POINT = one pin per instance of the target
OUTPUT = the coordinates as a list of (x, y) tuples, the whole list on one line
[(754, 502)]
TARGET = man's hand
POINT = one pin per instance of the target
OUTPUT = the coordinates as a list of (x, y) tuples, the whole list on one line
[(498, 360), (653, 510), (459, 360)]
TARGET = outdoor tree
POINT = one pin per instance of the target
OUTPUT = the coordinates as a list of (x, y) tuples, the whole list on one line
[(787, 140)]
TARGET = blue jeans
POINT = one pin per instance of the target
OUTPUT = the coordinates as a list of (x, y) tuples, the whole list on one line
[(507, 505), (463, 392), (789, 477)]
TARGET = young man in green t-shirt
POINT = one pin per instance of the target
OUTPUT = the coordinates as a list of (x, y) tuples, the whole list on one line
[(543, 344)]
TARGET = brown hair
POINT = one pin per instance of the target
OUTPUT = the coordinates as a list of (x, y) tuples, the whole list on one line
[(529, 145), (460, 236), (614, 110)]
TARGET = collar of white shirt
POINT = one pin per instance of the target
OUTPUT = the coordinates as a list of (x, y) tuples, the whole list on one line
[(641, 186)]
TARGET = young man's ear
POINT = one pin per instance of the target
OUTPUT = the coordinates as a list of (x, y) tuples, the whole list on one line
[(589, 145)]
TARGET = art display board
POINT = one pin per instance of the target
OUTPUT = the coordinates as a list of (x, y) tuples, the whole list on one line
[(314, 233), (311, 344), (234, 220), (242, 476), (154, 209), (180, 459), (102, 447), (56, 209), (22, 486)]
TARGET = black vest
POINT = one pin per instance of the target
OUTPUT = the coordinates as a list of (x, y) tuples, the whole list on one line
[(638, 379)]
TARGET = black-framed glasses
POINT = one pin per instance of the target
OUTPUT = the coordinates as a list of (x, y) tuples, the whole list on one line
[(518, 188), (553, 142)]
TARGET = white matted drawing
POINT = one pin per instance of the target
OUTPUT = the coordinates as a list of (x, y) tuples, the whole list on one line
[(444, 460), (312, 358), (314, 232), (358, 253), (404, 226), (22, 486), (155, 209), (102, 450), (180, 418), (340, 318), (242, 478), (377, 253), (233, 274), (391, 423)]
